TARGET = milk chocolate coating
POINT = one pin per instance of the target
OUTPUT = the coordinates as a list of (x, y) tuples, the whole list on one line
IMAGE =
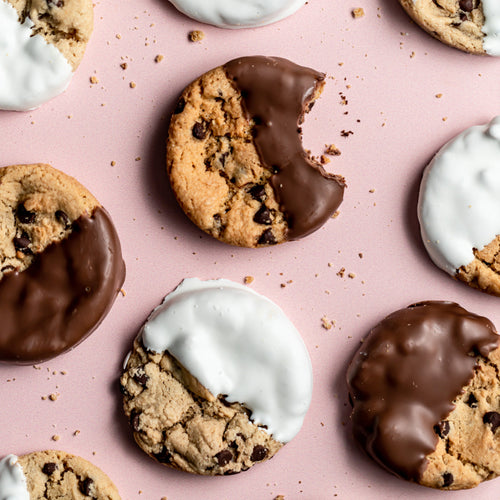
[(405, 377), (63, 296), (275, 94)]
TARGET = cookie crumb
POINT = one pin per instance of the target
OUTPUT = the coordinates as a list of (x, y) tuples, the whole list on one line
[(335, 214), (444, 118), (326, 323), (123, 292), (346, 133), (93, 79), (56, 437), (331, 149), (76, 432), (132, 85), (158, 58), (54, 396), (438, 96), (196, 35), (113, 163), (248, 279), (124, 65), (324, 159), (341, 272), (360, 255), (358, 12), (371, 190), (138, 158), (118, 36), (279, 497), (44, 398), (351, 275)]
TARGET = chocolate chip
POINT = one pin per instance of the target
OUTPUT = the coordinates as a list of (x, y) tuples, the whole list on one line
[(181, 104), (134, 421), (22, 243), (49, 468), (25, 216), (267, 238), (466, 5), (85, 486), (492, 418), (164, 456), (447, 479), (442, 429), (7, 268), (472, 401), (63, 218), (141, 379), (258, 192), (263, 216), (199, 131), (258, 453), (123, 390), (224, 457)]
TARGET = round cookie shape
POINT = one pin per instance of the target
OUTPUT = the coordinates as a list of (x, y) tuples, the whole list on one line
[(60, 263), (469, 25), (41, 44), (235, 157), (425, 390), (458, 204), (218, 379), (238, 13), (53, 475)]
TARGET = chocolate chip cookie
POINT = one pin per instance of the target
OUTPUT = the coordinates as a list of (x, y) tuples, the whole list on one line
[(425, 391), (468, 25), (54, 475), (235, 157), (60, 263)]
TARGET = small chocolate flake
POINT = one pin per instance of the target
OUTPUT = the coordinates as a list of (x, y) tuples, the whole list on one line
[(49, 468), (472, 401), (25, 216), (199, 131), (86, 485), (258, 192), (63, 218), (181, 104), (447, 479), (492, 418), (134, 421), (442, 429), (258, 453), (263, 216), (267, 238), (223, 457)]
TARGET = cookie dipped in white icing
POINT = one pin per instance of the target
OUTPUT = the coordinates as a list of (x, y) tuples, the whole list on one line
[(240, 344), (459, 200), (238, 13), (491, 27), (32, 71), (12, 480)]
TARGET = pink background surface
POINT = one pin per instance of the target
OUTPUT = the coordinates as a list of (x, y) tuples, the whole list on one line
[(397, 123)]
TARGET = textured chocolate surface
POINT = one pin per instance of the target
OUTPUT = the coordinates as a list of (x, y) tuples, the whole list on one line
[(276, 93), (405, 377), (64, 295)]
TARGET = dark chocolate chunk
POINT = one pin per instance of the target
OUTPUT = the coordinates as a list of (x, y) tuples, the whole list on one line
[(472, 401), (447, 479), (25, 216), (258, 453), (224, 457), (267, 238), (258, 192), (134, 421), (199, 131), (141, 378), (492, 418), (49, 468), (7, 268), (263, 216), (466, 5), (63, 218), (164, 456), (442, 429), (181, 104), (22, 243), (86, 485)]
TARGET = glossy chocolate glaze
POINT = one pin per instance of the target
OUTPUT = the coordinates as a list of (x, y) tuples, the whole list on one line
[(63, 296), (405, 377), (275, 94)]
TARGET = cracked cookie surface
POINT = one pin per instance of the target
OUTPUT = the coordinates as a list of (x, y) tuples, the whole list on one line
[(181, 424), (457, 23), (55, 475), (67, 24)]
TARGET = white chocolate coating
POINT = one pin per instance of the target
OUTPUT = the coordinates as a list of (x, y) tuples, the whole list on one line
[(459, 201), (238, 13), (491, 28), (240, 344), (32, 71), (12, 480)]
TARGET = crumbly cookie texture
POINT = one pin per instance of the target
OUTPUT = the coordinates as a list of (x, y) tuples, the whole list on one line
[(468, 450), (181, 424), (483, 272), (37, 207), (55, 475), (457, 23), (67, 24)]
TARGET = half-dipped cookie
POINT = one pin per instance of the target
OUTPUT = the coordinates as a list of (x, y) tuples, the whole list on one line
[(235, 156), (61, 265)]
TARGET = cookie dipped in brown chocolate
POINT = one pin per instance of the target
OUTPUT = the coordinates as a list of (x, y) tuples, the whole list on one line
[(60, 263), (424, 389), (235, 157)]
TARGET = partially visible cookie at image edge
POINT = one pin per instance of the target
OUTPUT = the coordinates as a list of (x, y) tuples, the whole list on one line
[(458, 207), (53, 475), (218, 379), (469, 25), (61, 266), (235, 157), (41, 44), (425, 392)]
